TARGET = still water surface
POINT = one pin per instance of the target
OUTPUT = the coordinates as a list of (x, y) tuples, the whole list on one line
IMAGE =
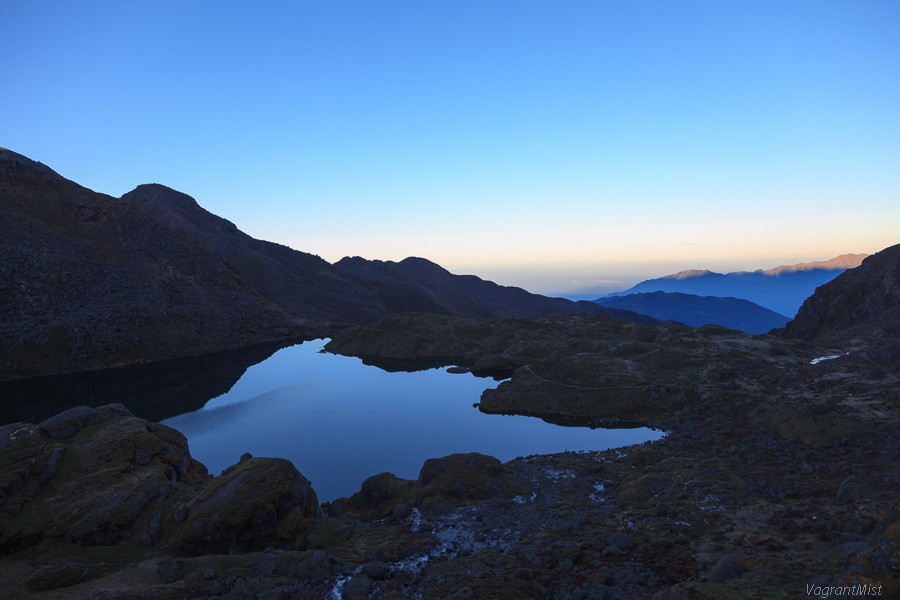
[(340, 421)]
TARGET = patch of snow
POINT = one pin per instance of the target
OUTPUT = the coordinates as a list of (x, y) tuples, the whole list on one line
[(415, 516), (816, 361), (523, 499), (412, 564), (595, 496), (338, 589), (559, 473), (20, 432), (710, 502), (453, 533)]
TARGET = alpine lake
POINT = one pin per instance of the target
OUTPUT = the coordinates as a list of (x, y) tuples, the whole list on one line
[(338, 420)]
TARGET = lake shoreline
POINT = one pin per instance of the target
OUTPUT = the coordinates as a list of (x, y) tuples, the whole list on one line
[(770, 479)]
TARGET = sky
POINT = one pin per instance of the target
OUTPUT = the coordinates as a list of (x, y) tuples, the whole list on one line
[(550, 145)]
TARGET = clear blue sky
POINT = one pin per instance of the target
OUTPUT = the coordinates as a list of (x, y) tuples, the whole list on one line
[(544, 144)]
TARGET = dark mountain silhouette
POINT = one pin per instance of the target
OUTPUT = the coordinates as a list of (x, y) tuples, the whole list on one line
[(427, 287), (781, 289), (697, 311), (860, 303), (419, 285), (88, 280)]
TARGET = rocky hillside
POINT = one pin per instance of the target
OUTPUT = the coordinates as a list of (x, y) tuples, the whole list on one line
[(434, 289), (697, 311), (862, 302), (88, 280)]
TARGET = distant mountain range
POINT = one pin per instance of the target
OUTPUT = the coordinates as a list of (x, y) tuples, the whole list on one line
[(781, 289), (697, 311), (88, 280)]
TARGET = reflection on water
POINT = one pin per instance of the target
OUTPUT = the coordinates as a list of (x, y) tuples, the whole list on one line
[(340, 421), (153, 391)]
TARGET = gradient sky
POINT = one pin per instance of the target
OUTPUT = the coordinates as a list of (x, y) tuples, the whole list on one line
[(545, 144)]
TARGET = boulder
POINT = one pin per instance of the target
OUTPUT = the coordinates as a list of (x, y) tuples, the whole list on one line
[(848, 490), (170, 570), (728, 568), (618, 543), (255, 504), (96, 488), (105, 477), (377, 570), (55, 577), (460, 478), (380, 494), (358, 588), (69, 422)]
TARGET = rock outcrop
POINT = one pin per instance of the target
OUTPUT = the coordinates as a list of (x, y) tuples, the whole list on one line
[(862, 302), (255, 504), (103, 477), (463, 478)]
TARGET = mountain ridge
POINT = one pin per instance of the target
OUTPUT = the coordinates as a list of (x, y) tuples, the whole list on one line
[(102, 281), (456, 295), (696, 311), (88, 280), (781, 289), (452, 295)]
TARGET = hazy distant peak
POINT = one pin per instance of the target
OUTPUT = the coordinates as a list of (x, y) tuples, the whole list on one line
[(688, 274), (844, 261)]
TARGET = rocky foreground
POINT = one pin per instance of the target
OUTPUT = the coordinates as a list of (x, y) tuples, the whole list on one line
[(779, 474)]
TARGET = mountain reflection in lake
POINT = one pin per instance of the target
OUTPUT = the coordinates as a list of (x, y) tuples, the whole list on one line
[(340, 421)]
